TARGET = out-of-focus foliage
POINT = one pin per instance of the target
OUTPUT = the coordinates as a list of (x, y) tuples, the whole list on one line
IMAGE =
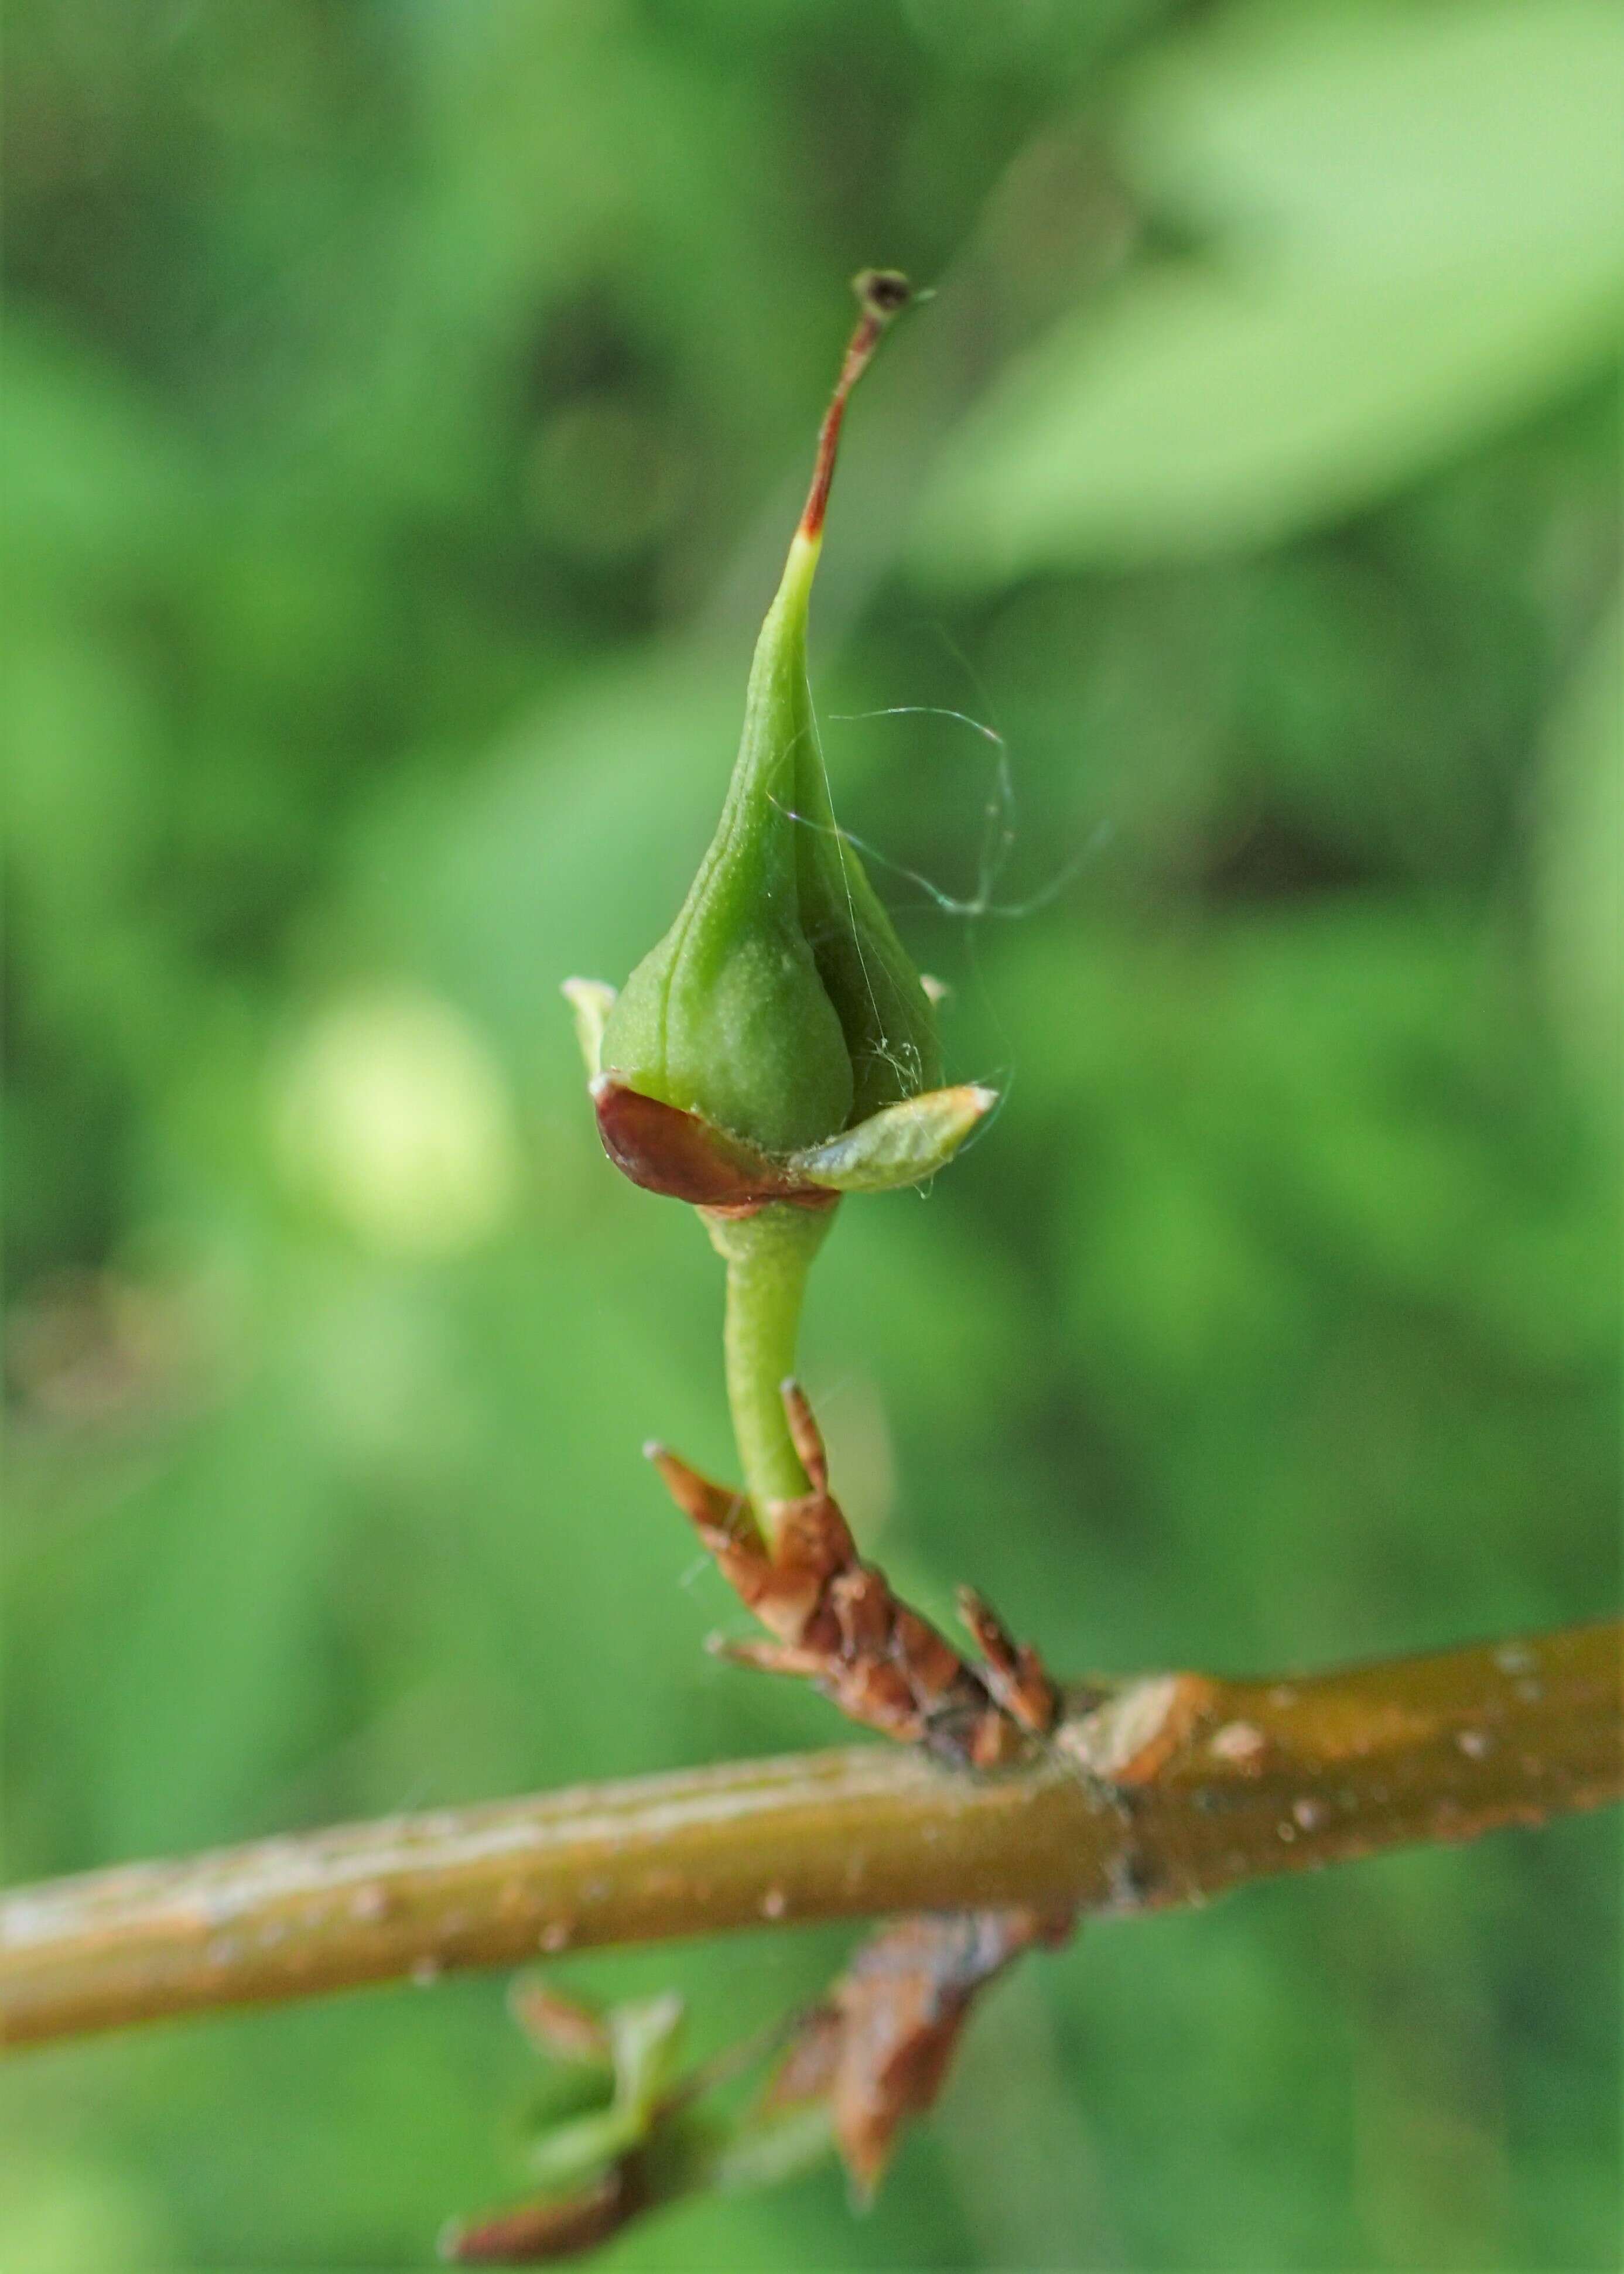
[(1403, 235), (407, 405)]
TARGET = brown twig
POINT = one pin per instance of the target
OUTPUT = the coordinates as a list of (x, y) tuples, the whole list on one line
[(1215, 1783)]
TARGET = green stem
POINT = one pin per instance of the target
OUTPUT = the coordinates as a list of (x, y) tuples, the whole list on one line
[(768, 1256)]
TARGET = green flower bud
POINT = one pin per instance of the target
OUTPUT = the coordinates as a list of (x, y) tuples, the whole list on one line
[(781, 1007)]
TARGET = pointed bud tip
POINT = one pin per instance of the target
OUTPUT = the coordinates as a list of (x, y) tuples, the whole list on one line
[(653, 1449), (884, 292)]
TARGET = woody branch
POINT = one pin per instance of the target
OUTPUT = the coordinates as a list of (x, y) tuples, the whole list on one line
[(1174, 1789)]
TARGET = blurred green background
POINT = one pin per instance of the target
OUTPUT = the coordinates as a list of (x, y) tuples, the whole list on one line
[(407, 406)]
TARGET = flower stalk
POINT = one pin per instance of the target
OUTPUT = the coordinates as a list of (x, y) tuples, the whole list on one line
[(768, 1256)]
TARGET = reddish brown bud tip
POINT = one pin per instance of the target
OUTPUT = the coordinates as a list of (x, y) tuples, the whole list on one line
[(711, 1506), (884, 292), (1014, 1673), (805, 1435)]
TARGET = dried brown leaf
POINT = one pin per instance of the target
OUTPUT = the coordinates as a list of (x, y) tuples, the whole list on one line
[(837, 1623), (879, 2048), (685, 1157), (554, 2226)]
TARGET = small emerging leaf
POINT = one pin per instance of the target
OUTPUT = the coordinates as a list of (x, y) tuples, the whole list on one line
[(644, 2040), (647, 2038), (901, 1144)]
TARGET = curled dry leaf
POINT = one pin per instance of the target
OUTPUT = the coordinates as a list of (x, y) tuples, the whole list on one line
[(685, 1157), (532, 2233), (837, 1623), (877, 2051)]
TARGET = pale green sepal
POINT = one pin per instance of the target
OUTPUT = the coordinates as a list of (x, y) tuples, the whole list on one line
[(901, 1144), (591, 1000)]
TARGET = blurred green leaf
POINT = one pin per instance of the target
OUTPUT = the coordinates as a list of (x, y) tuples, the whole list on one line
[(215, 1664), (1582, 863), (1206, 411), (1419, 244), (1359, 136)]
